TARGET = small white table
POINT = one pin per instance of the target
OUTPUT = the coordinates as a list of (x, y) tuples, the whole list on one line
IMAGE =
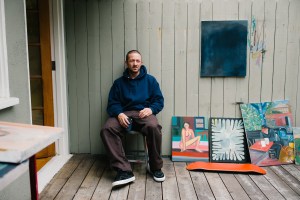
[(20, 142)]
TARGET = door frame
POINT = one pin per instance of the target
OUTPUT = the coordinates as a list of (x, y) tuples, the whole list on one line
[(60, 74), (60, 95)]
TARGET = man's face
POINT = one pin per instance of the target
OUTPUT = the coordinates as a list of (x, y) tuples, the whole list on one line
[(134, 63)]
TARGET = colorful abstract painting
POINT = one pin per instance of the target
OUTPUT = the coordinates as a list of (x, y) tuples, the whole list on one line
[(269, 132), (189, 139), (227, 141), (224, 48), (296, 132)]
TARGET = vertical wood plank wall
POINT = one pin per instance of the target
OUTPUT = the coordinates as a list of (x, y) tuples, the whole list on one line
[(167, 32)]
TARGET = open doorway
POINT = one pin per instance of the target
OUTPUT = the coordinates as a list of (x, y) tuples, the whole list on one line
[(40, 67)]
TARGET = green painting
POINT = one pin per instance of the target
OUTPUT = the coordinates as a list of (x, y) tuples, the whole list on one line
[(268, 127), (296, 132)]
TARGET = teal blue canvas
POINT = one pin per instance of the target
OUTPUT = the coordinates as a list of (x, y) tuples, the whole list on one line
[(224, 48)]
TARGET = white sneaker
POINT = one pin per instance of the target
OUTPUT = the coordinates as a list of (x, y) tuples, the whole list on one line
[(158, 175)]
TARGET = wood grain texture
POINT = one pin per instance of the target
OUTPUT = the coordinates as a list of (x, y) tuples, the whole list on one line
[(90, 182), (281, 35), (180, 58), (204, 84), (287, 178), (155, 42), (130, 25), (242, 89), (217, 186), (193, 57), (137, 189), (185, 185), (106, 69), (280, 185), (233, 186), (60, 179), (169, 186), (250, 187), (69, 190), (266, 187), (143, 39), (71, 75), (93, 43), (268, 59), (201, 185), (168, 72), (118, 38), (256, 56)]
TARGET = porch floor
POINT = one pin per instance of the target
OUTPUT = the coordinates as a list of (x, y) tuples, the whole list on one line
[(89, 177)]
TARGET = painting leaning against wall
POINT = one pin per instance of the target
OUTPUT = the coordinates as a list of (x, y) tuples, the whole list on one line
[(189, 139), (296, 132), (227, 141), (269, 132)]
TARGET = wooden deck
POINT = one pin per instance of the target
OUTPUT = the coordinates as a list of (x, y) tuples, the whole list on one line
[(89, 177)]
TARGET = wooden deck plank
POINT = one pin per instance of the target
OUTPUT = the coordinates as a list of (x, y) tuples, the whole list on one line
[(250, 187), (297, 166), (201, 185), (287, 177), (153, 190), (103, 189), (137, 189), (235, 189), (266, 187), (280, 185), (89, 184), (294, 170), (184, 181), (70, 188), (169, 186), (119, 193), (217, 186), (59, 180)]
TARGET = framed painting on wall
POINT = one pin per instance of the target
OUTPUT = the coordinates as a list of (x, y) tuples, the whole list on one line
[(224, 48), (269, 132), (227, 141), (189, 139)]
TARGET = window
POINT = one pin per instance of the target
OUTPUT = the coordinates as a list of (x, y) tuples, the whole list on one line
[(5, 99)]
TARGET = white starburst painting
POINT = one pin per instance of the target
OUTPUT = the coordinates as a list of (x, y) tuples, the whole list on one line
[(227, 143)]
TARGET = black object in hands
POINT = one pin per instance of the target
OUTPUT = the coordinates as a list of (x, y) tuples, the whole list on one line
[(129, 128)]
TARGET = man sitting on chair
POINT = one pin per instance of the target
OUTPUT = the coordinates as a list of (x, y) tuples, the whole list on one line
[(137, 96)]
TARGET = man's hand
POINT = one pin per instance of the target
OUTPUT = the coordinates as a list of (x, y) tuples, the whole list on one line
[(123, 120), (145, 113)]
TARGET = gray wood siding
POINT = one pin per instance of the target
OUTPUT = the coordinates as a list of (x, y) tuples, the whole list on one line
[(100, 32)]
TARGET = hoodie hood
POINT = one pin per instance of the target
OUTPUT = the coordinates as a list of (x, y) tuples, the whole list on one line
[(128, 94), (143, 72)]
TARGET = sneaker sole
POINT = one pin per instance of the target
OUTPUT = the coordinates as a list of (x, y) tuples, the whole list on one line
[(123, 182), (159, 179), (155, 178)]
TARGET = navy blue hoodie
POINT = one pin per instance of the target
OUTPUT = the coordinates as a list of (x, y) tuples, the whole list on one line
[(135, 94)]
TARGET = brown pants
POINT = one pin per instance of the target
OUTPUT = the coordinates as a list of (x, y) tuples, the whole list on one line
[(112, 134)]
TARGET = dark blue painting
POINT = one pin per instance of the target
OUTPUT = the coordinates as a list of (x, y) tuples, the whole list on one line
[(224, 48)]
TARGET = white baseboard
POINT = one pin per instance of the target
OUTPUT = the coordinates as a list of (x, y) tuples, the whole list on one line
[(50, 169)]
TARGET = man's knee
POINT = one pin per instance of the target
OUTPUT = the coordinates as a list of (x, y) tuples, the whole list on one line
[(153, 129)]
